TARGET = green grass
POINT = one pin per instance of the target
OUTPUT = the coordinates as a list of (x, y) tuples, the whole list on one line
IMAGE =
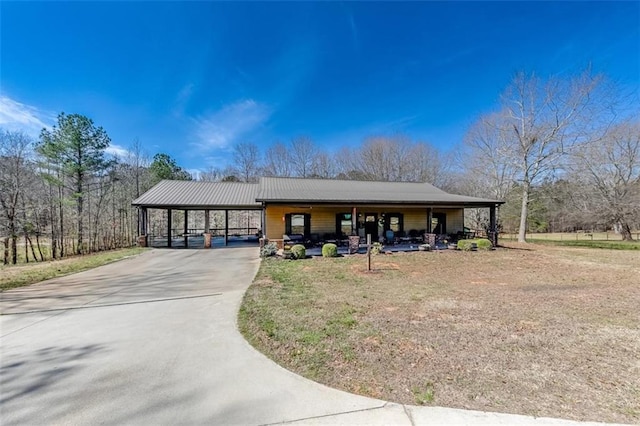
[(614, 245), (26, 274)]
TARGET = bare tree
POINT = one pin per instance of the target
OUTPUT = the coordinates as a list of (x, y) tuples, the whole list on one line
[(303, 153), (278, 160), (211, 174), (14, 170), (488, 158), (609, 168), (542, 121), (246, 157)]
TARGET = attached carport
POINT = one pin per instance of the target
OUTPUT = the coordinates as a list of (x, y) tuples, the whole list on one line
[(191, 196)]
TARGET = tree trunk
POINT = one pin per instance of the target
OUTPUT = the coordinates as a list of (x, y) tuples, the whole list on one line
[(625, 231), (524, 212)]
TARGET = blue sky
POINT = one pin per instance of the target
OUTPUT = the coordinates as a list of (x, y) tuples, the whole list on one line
[(192, 78)]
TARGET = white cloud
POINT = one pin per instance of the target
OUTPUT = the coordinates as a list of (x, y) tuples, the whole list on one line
[(17, 116), (230, 124), (117, 150), (182, 98)]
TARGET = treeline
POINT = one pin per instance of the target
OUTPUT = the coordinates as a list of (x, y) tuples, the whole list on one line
[(563, 153)]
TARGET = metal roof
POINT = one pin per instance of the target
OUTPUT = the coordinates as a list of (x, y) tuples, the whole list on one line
[(197, 194), (183, 194), (274, 189)]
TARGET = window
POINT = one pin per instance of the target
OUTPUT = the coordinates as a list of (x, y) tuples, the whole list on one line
[(343, 224), (297, 224), (394, 224)]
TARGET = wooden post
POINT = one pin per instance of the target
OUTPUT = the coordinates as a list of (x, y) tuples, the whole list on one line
[(368, 252), (492, 226), (169, 228), (226, 227), (206, 221), (354, 221), (185, 235), (263, 220), (429, 220)]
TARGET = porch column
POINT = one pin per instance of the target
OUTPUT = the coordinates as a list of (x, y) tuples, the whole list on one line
[(185, 235), (263, 221), (142, 227), (429, 220), (207, 234), (493, 232), (226, 227), (206, 221), (354, 221), (169, 228)]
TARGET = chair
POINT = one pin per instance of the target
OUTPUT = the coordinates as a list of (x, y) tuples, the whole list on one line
[(389, 236)]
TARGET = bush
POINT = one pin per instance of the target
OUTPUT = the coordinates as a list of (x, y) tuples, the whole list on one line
[(376, 248), (483, 244), (465, 245), (298, 252), (329, 250), (269, 249)]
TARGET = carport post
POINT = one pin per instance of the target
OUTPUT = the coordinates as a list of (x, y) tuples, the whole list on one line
[(169, 228), (429, 220), (206, 221), (492, 226), (226, 227), (186, 229)]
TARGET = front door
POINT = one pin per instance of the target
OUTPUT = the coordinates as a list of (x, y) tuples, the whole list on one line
[(371, 225)]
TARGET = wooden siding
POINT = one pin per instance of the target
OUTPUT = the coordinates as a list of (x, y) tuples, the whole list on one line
[(323, 218)]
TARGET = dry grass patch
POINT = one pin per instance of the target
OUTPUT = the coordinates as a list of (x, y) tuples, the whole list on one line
[(12, 276), (544, 331)]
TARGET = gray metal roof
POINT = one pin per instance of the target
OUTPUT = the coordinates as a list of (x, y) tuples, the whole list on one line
[(274, 189), (197, 194)]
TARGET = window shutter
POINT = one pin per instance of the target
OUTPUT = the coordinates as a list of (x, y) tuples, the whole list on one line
[(307, 225), (287, 223)]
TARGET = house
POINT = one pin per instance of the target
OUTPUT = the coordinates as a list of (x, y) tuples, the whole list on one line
[(323, 209)]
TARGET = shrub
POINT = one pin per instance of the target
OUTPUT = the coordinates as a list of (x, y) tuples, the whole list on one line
[(298, 252), (376, 248), (329, 250), (465, 245), (483, 244), (269, 249)]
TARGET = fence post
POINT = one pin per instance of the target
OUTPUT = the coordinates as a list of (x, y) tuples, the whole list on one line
[(368, 252)]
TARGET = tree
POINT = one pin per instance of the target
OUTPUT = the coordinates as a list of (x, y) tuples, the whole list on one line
[(163, 167), (78, 147), (14, 171), (278, 161), (539, 123), (303, 153), (609, 168), (246, 161)]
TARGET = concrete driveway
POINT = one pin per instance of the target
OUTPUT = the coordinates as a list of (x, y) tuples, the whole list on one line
[(153, 340)]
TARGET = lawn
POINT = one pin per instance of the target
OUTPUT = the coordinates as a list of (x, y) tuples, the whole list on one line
[(29, 273), (528, 329)]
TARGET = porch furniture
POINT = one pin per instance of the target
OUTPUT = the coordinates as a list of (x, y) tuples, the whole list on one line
[(292, 239), (389, 236)]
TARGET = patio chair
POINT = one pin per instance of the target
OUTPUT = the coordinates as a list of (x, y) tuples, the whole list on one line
[(389, 236)]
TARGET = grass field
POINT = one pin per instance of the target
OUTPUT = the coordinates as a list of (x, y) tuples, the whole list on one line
[(608, 240), (25, 274), (529, 329)]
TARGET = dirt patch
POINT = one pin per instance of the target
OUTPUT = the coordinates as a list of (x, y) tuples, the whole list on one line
[(536, 330)]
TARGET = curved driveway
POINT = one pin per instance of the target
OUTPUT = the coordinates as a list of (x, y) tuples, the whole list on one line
[(153, 340)]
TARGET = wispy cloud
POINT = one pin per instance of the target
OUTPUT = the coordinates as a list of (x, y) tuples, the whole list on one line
[(230, 124), (182, 98), (117, 150), (17, 116)]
